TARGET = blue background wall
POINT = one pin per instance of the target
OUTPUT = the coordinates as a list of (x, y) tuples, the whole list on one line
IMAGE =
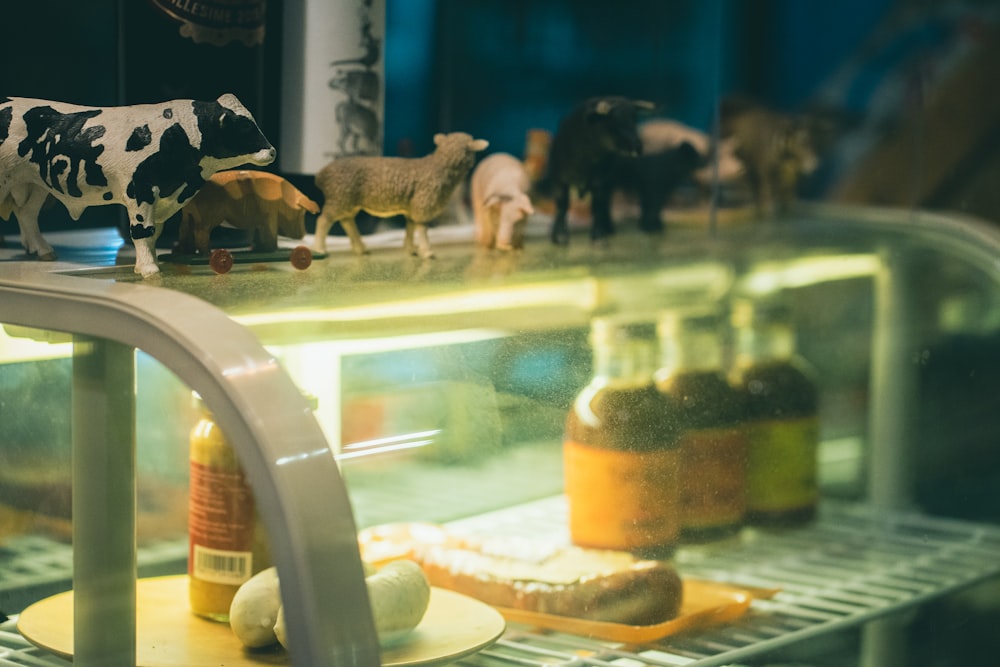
[(495, 68), (499, 67)]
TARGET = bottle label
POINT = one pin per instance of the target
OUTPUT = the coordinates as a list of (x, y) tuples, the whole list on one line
[(713, 477), (622, 500), (218, 22), (781, 464), (220, 525)]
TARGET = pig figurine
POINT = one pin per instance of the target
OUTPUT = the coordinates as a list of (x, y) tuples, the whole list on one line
[(257, 201), (500, 203)]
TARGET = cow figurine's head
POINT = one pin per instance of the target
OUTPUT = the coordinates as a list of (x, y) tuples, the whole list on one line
[(589, 140), (229, 131), (613, 122)]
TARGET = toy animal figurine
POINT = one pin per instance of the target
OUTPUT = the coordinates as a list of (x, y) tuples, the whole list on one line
[(587, 140), (655, 177), (662, 134), (500, 204), (416, 188), (776, 150), (151, 158), (257, 201)]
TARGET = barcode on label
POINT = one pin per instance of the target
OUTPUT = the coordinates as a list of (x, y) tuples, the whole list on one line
[(221, 567)]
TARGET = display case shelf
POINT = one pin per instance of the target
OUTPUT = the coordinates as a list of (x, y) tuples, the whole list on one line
[(851, 566)]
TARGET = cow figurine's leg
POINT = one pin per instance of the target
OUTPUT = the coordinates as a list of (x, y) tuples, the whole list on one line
[(601, 226), (144, 234), (145, 256), (560, 227), (27, 205)]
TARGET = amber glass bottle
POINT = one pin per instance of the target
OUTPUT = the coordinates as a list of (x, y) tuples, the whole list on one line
[(781, 400), (227, 541), (621, 456), (709, 412)]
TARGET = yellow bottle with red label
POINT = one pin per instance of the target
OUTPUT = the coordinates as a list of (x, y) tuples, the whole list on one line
[(227, 543), (781, 401), (709, 413), (621, 455)]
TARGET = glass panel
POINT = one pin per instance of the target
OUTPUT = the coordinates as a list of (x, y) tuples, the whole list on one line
[(36, 404)]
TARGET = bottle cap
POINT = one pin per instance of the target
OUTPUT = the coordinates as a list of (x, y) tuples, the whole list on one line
[(702, 317), (613, 330), (762, 311)]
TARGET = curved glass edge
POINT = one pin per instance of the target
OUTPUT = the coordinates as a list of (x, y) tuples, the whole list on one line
[(295, 478)]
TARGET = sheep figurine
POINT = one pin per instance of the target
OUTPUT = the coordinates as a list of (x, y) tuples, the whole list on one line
[(419, 189), (256, 201), (500, 204)]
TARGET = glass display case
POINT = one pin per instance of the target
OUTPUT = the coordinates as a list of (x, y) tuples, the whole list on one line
[(365, 391), (442, 391)]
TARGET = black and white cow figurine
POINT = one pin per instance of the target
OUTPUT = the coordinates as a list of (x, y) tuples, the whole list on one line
[(586, 145), (151, 158)]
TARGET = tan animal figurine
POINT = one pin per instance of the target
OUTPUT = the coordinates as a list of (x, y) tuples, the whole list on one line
[(417, 188), (500, 204), (256, 201)]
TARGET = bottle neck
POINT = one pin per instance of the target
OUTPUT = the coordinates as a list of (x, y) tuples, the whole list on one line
[(691, 351), (774, 342), (630, 362)]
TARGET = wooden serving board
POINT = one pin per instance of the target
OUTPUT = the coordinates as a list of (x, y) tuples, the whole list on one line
[(169, 635)]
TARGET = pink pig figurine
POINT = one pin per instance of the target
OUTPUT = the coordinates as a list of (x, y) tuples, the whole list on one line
[(500, 205)]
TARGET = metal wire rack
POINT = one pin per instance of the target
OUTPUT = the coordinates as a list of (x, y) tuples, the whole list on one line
[(850, 566)]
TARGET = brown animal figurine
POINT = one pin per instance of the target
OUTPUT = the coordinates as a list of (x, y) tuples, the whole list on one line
[(417, 188), (256, 201), (776, 151)]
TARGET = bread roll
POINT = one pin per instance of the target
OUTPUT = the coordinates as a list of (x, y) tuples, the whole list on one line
[(255, 609), (582, 583), (398, 593), (522, 574)]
